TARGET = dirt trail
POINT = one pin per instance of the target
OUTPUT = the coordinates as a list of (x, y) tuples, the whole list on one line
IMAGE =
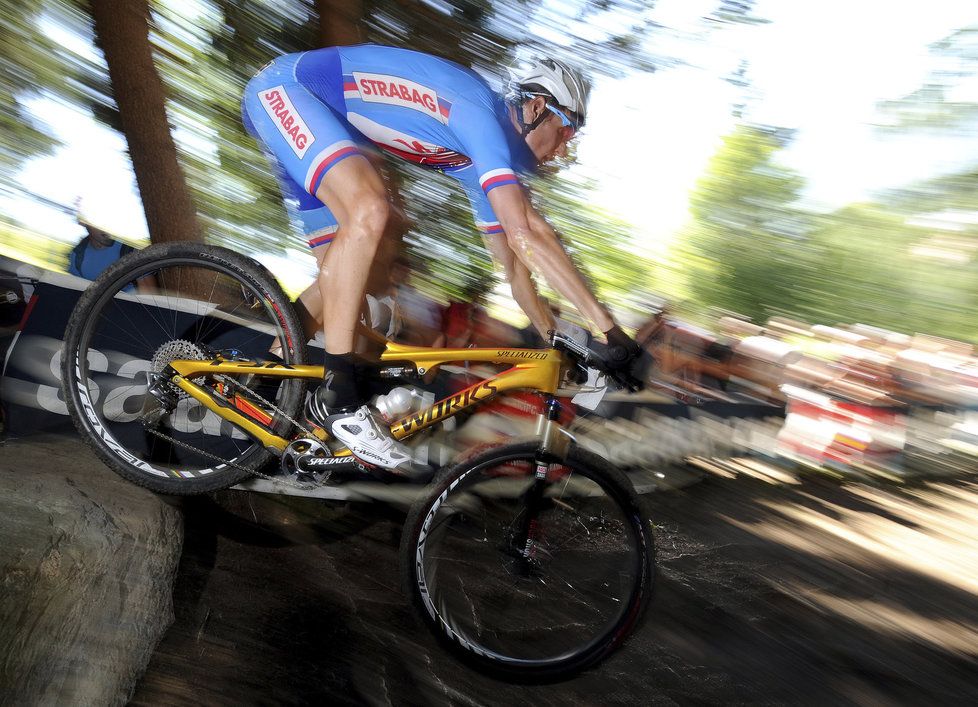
[(771, 590)]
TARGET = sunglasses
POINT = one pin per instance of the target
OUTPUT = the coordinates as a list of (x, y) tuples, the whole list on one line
[(568, 127)]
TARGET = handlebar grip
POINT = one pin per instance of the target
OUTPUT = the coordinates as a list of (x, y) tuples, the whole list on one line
[(609, 359)]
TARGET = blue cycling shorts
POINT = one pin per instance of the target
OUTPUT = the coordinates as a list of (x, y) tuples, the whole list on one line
[(305, 135)]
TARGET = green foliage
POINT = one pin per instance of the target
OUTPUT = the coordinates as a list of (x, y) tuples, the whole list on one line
[(601, 243), (443, 237), (876, 269), (33, 248), (33, 64), (749, 249), (746, 248), (945, 259), (930, 111), (932, 106)]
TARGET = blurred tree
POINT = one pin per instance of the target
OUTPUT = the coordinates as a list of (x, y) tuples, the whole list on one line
[(747, 249), (936, 104), (946, 258), (205, 56), (25, 65), (122, 32), (942, 106), (601, 243), (442, 236), (862, 270), (340, 22), (875, 268), (38, 61)]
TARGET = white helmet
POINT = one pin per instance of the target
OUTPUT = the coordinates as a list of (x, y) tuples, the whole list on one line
[(550, 77)]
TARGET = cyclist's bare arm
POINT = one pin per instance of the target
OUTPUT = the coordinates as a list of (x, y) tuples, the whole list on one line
[(521, 284), (536, 245)]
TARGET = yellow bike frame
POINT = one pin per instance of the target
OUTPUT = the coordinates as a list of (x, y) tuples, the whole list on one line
[(533, 369)]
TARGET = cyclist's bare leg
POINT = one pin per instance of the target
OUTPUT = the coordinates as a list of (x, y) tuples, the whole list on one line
[(355, 194), (378, 278)]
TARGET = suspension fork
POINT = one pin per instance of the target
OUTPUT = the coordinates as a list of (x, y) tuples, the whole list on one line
[(554, 445)]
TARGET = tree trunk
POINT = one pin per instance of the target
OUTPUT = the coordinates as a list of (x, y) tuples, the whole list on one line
[(122, 31), (339, 22)]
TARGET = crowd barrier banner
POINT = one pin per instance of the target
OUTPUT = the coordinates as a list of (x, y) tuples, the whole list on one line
[(646, 427), (30, 387)]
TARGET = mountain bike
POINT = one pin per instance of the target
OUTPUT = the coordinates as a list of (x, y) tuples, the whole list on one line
[(532, 560)]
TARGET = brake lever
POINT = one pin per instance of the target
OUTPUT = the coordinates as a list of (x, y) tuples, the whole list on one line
[(622, 378), (626, 380)]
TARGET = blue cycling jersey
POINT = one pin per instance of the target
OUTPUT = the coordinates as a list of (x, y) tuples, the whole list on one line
[(314, 109)]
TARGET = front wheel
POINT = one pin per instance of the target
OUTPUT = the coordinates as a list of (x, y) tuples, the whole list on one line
[(530, 570)]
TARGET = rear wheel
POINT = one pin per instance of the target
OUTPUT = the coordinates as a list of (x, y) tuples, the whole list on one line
[(531, 572), (167, 302)]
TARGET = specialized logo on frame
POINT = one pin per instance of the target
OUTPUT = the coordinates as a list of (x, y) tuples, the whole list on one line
[(276, 103)]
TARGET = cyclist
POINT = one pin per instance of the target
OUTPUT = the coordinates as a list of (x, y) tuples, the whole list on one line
[(319, 112)]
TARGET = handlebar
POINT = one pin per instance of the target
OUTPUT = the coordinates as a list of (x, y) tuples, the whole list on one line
[(590, 356)]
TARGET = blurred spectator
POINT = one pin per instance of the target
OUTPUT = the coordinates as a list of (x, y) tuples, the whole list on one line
[(466, 323), (12, 302), (419, 315), (651, 329), (686, 356), (95, 252), (460, 319), (458, 325)]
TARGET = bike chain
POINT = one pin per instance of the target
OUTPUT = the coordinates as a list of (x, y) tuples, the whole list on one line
[(255, 472)]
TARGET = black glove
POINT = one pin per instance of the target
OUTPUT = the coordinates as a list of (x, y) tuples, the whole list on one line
[(622, 349)]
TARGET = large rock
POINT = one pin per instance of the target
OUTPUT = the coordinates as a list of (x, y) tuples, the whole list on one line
[(87, 563)]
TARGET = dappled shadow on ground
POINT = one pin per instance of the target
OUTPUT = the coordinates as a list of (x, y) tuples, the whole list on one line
[(803, 592), (818, 591)]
